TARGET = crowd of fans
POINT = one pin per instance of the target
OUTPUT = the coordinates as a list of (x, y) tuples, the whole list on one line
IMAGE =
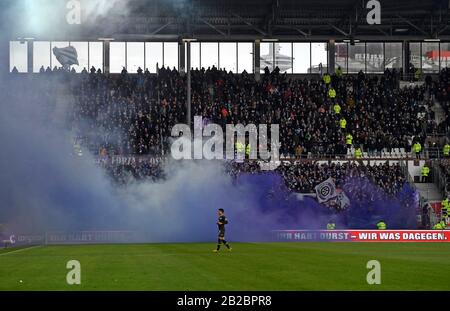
[(134, 114), (304, 176)]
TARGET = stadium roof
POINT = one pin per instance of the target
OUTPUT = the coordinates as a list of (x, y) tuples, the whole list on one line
[(282, 19), (227, 20)]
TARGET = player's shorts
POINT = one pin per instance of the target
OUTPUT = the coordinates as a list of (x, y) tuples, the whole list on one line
[(221, 233)]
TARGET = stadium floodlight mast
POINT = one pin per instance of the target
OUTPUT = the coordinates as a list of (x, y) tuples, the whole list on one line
[(188, 147)]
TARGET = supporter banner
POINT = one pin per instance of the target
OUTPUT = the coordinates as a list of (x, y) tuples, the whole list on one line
[(129, 160), (13, 239), (83, 237), (363, 235), (325, 190)]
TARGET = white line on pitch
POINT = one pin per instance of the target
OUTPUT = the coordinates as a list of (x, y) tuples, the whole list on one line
[(20, 250)]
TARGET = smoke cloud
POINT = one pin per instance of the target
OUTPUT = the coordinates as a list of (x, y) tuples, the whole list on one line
[(46, 19), (45, 187)]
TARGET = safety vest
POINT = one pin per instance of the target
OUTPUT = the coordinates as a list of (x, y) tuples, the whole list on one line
[(445, 208), (240, 147), (327, 78), (332, 93), (425, 171), (446, 149), (417, 147), (418, 73), (247, 150), (438, 226), (343, 123), (358, 153), (349, 139), (331, 226), (338, 72), (445, 204), (337, 109), (381, 225)]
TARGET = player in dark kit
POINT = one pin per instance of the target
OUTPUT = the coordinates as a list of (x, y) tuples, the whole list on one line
[(221, 222)]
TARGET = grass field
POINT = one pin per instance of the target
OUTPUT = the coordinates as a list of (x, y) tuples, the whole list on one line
[(250, 266)]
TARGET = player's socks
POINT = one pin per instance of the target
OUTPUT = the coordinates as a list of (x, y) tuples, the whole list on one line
[(218, 245), (226, 244)]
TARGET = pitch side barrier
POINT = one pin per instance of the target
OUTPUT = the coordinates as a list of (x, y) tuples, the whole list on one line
[(90, 237), (361, 235)]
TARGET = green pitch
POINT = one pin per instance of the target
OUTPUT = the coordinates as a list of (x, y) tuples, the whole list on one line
[(250, 266)]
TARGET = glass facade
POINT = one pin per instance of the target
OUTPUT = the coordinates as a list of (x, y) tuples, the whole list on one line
[(301, 57), (82, 49), (370, 57), (393, 55), (170, 55), (245, 57), (41, 55), (430, 57), (153, 56), (319, 57), (228, 56), (135, 56), (18, 56), (341, 56), (290, 57), (374, 57)]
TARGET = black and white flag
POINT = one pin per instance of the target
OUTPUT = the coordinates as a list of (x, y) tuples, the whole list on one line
[(325, 190), (66, 56)]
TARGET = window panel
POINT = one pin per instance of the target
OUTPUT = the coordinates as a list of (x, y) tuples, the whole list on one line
[(445, 54), (430, 57), (414, 54), (245, 57), (356, 57), (283, 56), (227, 56), (153, 55), (83, 55), (96, 55), (375, 57), (41, 55), (135, 56), (302, 57), (195, 55), (209, 56), (171, 55), (117, 60), (18, 56), (319, 55), (393, 53), (266, 56), (341, 56)]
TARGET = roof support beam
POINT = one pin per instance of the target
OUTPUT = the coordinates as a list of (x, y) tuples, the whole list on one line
[(160, 28), (382, 31), (414, 26), (339, 30), (305, 34), (213, 27), (250, 24)]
